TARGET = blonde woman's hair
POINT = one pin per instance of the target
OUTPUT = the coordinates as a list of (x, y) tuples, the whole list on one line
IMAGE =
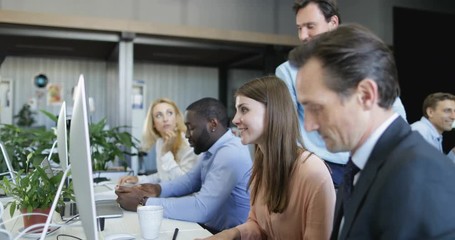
[(150, 135)]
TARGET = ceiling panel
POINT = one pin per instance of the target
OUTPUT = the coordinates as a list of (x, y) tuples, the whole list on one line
[(35, 41)]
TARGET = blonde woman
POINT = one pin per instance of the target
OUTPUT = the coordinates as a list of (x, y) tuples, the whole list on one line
[(165, 129)]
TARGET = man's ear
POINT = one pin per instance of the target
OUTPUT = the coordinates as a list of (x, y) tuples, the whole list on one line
[(334, 22), (429, 112), (212, 124), (368, 95)]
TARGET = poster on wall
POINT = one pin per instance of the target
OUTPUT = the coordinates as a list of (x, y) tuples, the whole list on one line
[(138, 94), (54, 94)]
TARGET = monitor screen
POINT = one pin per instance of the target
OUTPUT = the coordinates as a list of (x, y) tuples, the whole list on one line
[(81, 163)]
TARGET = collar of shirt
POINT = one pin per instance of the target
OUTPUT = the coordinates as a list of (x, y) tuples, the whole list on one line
[(360, 157), (434, 133), (226, 136)]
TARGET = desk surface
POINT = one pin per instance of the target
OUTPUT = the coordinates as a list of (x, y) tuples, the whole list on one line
[(129, 223)]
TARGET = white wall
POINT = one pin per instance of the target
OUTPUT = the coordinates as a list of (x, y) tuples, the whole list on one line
[(180, 83), (62, 71), (237, 78), (245, 15)]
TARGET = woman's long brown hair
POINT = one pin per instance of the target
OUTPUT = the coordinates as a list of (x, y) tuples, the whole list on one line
[(273, 165)]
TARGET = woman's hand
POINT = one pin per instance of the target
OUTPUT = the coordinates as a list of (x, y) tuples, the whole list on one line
[(168, 141)]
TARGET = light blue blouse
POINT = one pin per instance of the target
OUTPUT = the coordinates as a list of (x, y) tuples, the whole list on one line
[(431, 135)]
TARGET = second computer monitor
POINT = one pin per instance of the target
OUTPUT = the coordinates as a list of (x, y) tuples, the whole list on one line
[(81, 163)]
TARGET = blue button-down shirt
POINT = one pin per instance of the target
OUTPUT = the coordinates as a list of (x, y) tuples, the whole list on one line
[(215, 191), (312, 140), (430, 134)]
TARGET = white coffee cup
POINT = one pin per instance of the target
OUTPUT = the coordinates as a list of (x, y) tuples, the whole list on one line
[(150, 218)]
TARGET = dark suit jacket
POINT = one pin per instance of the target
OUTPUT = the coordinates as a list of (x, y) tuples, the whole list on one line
[(405, 191)]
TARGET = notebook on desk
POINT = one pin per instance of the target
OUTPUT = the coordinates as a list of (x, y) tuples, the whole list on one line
[(106, 201), (108, 208)]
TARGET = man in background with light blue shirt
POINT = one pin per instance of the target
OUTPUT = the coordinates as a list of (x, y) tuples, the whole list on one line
[(214, 192), (314, 17), (438, 116)]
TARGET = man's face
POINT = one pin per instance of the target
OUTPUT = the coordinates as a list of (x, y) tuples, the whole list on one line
[(311, 22), (340, 122), (197, 132), (443, 115)]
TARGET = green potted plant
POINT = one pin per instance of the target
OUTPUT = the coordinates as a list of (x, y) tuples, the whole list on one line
[(25, 116), (34, 191), (25, 145), (109, 144)]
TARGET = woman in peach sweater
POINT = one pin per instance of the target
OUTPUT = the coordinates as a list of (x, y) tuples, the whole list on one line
[(292, 194)]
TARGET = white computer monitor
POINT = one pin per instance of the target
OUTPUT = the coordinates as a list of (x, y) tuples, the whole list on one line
[(61, 144), (62, 138), (9, 165), (45, 231), (81, 163), (63, 155)]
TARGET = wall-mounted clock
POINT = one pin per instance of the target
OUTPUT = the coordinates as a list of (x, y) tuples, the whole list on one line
[(40, 80)]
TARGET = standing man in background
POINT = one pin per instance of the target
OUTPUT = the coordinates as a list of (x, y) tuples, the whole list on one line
[(314, 17), (438, 116)]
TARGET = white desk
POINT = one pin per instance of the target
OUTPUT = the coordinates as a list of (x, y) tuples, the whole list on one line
[(129, 223)]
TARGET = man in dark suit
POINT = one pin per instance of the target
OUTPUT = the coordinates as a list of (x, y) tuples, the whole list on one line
[(403, 187)]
